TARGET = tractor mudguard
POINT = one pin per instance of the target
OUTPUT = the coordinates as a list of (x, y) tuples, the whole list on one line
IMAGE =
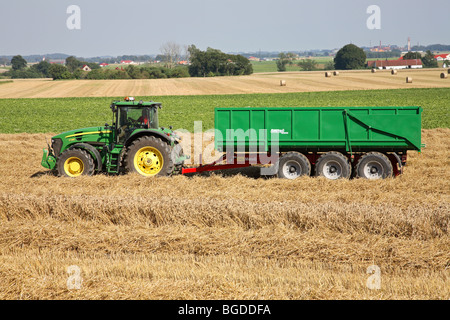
[(134, 136)]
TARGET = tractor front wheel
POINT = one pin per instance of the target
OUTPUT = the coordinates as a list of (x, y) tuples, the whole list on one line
[(149, 156), (75, 163)]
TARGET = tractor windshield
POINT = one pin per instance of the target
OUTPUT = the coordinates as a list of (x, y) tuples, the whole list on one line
[(138, 117), (131, 118)]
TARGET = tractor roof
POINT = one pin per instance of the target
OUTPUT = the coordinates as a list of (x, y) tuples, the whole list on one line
[(136, 103), (130, 101)]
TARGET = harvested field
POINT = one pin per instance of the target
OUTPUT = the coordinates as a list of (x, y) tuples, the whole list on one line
[(256, 83), (236, 236)]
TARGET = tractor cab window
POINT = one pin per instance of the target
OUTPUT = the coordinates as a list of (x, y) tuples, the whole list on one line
[(132, 118)]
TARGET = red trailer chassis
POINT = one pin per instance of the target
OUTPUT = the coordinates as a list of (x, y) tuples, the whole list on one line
[(235, 160)]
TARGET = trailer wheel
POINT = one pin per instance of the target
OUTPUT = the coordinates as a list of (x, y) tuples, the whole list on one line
[(149, 156), (74, 163), (374, 165), (292, 165), (333, 165)]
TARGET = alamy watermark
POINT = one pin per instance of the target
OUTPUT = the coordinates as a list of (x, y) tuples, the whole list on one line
[(74, 280), (374, 20), (374, 281), (73, 22)]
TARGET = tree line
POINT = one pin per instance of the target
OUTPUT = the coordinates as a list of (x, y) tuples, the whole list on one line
[(211, 62)]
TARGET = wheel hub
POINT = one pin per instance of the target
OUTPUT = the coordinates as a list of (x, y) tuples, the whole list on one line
[(73, 167), (292, 169), (332, 170), (373, 170), (148, 161)]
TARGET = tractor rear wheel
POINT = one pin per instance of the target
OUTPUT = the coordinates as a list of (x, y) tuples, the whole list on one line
[(333, 165), (374, 165), (75, 163), (149, 156), (292, 165)]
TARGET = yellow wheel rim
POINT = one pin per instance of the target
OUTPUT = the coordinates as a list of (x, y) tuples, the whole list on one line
[(73, 167), (148, 161)]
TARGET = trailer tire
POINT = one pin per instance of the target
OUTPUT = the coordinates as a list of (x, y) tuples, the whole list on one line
[(149, 156), (74, 163), (292, 165), (374, 165), (333, 165)]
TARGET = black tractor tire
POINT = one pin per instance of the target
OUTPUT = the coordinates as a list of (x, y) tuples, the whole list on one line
[(74, 163), (374, 165), (292, 165), (149, 156), (333, 165)]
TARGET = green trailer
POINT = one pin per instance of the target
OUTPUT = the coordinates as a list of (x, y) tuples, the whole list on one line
[(335, 142)]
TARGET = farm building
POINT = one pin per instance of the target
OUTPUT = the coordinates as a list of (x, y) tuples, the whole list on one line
[(396, 64), (441, 57), (86, 68), (127, 62), (103, 64)]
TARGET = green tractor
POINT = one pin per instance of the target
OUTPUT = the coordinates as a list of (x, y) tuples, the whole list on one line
[(134, 143)]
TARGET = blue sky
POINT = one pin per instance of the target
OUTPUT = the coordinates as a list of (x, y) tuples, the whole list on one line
[(141, 27)]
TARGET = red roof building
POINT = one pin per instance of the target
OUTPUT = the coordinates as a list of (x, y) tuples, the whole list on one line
[(396, 64), (444, 56)]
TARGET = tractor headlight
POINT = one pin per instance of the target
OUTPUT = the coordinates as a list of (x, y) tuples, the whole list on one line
[(56, 146)]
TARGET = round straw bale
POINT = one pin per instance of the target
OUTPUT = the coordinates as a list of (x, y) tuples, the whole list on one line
[(283, 83), (336, 73), (443, 75), (393, 71), (327, 74), (408, 80)]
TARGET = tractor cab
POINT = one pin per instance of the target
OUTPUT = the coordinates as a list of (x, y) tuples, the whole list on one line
[(130, 116)]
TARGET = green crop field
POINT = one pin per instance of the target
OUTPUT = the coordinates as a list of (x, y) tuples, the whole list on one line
[(40, 115)]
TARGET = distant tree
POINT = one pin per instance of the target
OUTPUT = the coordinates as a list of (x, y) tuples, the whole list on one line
[(59, 72), (350, 57), (43, 68), (133, 72), (283, 59), (213, 62), (412, 55), (429, 61), (171, 52), (18, 63), (307, 64), (73, 63)]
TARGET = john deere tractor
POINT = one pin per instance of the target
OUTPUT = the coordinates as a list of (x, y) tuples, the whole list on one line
[(133, 143)]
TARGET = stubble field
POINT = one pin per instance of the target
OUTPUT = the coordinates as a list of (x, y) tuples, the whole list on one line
[(237, 236)]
